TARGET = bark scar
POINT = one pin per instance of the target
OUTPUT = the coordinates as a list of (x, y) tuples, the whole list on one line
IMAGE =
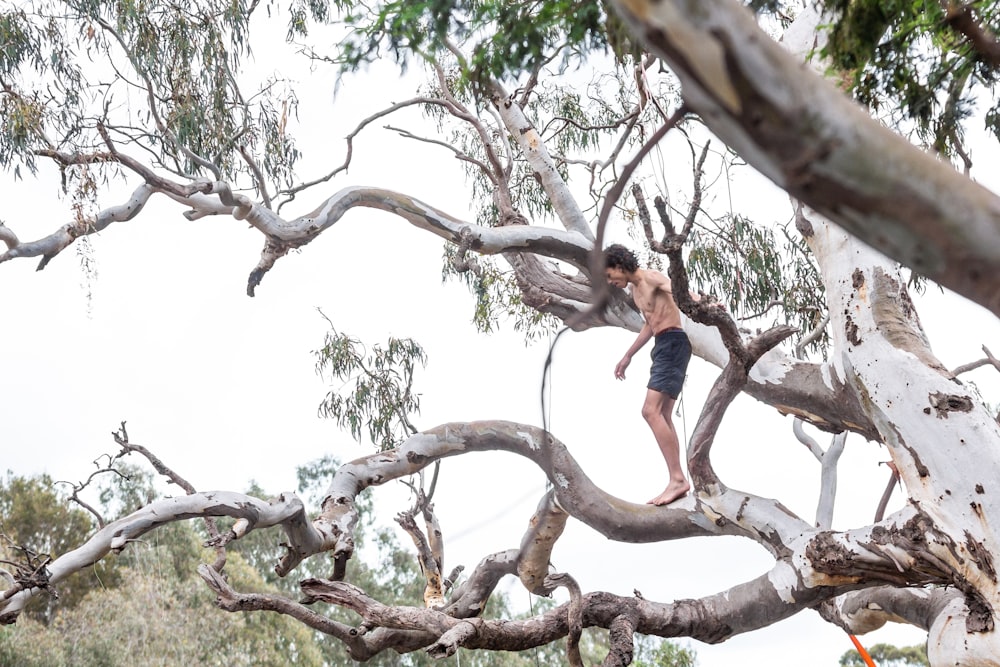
[(945, 403)]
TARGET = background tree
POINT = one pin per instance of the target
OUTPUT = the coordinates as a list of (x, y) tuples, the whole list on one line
[(510, 108), (888, 655)]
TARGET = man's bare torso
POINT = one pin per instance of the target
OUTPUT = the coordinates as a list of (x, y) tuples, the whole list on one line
[(655, 300)]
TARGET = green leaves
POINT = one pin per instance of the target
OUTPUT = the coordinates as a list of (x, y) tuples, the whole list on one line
[(34, 513), (504, 37), (904, 60), (376, 395), (756, 275)]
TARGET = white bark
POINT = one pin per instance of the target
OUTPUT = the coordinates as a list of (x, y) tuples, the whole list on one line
[(938, 432), (536, 153)]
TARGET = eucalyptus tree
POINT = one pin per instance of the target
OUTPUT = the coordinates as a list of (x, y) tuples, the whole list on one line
[(167, 103)]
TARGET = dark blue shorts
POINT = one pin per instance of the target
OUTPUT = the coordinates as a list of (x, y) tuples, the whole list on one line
[(671, 354)]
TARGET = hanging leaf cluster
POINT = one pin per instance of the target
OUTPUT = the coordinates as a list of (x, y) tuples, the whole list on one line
[(498, 299), (909, 63), (375, 396), (757, 274)]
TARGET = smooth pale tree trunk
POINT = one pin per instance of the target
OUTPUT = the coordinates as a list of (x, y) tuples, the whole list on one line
[(943, 440)]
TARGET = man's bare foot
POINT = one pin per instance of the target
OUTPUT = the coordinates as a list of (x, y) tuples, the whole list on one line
[(673, 491)]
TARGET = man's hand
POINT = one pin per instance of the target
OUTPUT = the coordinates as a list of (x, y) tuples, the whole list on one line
[(620, 368)]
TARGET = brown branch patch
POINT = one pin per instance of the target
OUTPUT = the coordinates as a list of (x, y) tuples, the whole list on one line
[(945, 403)]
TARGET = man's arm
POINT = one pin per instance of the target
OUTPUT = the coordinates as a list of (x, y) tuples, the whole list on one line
[(644, 335)]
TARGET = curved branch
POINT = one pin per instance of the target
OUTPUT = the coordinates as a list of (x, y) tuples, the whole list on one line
[(51, 245), (574, 614), (469, 599), (293, 191)]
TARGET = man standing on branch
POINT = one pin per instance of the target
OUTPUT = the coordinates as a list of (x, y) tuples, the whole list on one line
[(671, 352)]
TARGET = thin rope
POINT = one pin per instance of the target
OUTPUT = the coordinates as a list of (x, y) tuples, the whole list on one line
[(531, 608), (546, 374)]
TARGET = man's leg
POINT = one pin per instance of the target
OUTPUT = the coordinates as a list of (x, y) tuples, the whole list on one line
[(656, 411)]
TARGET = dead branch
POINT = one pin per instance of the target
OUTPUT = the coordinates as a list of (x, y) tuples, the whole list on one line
[(621, 635), (429, 566)]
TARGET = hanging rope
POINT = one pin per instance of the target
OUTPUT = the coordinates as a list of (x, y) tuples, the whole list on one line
[(546, 381)]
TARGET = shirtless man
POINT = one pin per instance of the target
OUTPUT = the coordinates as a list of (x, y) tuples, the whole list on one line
[(671, 353)]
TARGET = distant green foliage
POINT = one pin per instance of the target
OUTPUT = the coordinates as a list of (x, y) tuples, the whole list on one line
[(34, 514), (887, 655), (162, 615), (658, 653)]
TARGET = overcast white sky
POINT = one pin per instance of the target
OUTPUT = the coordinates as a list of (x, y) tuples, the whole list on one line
[(222, 387)]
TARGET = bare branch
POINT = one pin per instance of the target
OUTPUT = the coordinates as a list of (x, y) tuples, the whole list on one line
[(51, 245), (887, 494), (989, 360), (258, 177), (429, 566), (290, 193), (287, 511)]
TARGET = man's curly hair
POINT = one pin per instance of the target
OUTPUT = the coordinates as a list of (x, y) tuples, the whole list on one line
[(618, 256)]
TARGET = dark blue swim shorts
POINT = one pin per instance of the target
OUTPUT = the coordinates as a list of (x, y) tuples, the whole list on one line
[(671, 354)]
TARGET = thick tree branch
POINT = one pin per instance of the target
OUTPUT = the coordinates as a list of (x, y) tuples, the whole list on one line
[(809, 138), (51, 245), (536, 153), (713, 619)]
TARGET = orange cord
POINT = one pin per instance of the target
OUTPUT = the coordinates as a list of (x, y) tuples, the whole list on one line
[(864, 654)]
